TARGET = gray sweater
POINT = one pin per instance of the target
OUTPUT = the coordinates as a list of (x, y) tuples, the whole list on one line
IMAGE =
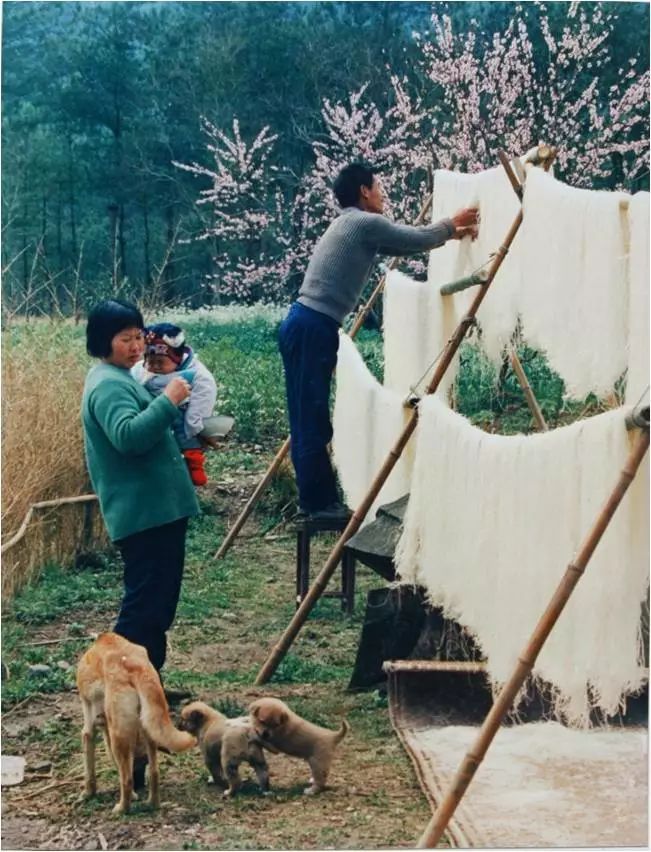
[(342, 259)]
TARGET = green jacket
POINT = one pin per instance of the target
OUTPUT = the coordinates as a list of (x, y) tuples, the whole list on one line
[(134, 463)]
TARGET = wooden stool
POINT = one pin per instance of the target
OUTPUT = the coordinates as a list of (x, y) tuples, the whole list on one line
[(305, 529)]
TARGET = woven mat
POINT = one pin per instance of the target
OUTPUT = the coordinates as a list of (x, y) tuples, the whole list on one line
[(540, 784)]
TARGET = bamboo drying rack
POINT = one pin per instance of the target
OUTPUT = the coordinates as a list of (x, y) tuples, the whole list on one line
[(526, 661)]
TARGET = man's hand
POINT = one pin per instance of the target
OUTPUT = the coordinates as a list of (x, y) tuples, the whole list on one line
[(177, 390), (466, 223), (471, 232)]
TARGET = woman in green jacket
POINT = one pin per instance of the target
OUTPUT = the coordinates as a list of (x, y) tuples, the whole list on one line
[(144, 489)]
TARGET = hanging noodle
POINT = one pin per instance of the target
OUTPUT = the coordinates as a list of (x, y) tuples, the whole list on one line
[(367, 421), (498, 207), (417, 324), (491, 525), (638, 308), (574, 293), (565, 275)]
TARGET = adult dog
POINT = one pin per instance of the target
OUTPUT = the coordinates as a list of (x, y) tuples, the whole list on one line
[(121, 693), (280, 728), (225, 744)]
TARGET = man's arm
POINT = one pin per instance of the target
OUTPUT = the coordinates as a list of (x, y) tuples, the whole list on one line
[(398, 240), (394, 239)]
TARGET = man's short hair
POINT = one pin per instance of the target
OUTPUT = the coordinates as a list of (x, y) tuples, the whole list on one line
[(349, 181), (106, 320)]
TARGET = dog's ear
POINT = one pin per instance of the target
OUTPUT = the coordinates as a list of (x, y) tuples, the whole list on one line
[(283, 717), (254, 710), (193, 720)]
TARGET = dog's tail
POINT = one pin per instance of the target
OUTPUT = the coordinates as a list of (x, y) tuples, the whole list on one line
[(341, 733), (154, 713)]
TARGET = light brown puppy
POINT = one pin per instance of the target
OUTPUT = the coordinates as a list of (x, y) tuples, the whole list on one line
[(225, 744), (121, 693), (280, 728)]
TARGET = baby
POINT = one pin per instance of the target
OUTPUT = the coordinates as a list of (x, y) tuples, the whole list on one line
[(167, 355)]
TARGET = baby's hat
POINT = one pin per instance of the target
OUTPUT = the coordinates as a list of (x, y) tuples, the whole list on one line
[(165, 338)]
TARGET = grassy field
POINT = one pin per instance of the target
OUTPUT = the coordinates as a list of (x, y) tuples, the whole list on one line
[(231, 612)]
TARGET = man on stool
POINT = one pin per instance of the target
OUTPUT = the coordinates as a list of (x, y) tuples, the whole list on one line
[(309, 335)]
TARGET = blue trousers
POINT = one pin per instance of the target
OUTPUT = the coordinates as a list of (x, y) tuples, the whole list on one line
[(308, 342), (153, 570)]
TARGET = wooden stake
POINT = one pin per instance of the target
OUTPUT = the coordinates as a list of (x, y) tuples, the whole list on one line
[(532, 402), (517, 176), (320, 583), (526, 661), (253, 499), (282, 452)]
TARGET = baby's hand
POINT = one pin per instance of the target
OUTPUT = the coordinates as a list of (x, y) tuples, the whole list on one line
[(177, 390), (212, 442)]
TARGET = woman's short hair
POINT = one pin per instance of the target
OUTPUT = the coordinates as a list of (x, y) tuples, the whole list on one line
[(349, 181), (106, 320)]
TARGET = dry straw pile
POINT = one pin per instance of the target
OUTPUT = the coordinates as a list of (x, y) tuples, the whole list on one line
[(43, 370)]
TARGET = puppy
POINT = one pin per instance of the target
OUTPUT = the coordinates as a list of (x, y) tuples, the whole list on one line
[(282, 729), (121, 693), (225, 744)]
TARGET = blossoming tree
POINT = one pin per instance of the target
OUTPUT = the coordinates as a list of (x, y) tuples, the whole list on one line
[(252, 249), (469, 93)]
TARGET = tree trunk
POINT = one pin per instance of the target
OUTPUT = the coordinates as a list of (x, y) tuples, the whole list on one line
[(71, 200), (168, 274), (59, 231), (123, 259), (145, 218), (113, 236), (24, 246), (44, 225)]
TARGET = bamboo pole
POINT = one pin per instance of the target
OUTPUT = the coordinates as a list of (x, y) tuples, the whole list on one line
[(517, 175), (282, 452), (463, 283), (44, 504), (532, 402), (321, 581), (253, 499), (526, 661)]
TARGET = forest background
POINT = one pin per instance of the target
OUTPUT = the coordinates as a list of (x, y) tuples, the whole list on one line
[(180, 153)]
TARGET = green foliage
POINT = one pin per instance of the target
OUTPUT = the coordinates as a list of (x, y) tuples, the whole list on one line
[(494, 399), (370, 346), (245, 361), (99, 100)]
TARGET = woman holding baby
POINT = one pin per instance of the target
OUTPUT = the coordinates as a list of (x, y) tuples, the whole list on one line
[(138, 473)]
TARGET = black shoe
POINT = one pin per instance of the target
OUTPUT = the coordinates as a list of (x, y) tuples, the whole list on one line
[(333, 512)]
